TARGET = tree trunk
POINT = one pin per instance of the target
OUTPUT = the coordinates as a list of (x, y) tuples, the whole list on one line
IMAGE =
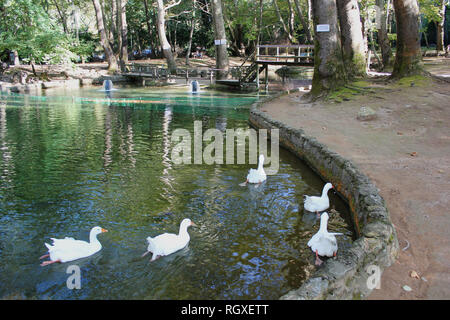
[(152, 36), (260, 22), (303, 22), (114, 22), (291, 20), (408, 58), (440, 27), (166, 48), (62, 16), (328, 65), (219, 32), (191, 33), (383, 39), (353, 48), (109, 54), (283, 24), (124, 34)]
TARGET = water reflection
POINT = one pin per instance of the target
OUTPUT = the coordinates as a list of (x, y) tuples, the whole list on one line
[(71, 165)]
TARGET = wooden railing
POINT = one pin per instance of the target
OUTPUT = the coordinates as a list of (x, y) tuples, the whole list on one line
[(160, 71), (284, 54)]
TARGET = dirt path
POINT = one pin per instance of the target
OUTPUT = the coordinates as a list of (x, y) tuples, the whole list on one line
[(406, 152)]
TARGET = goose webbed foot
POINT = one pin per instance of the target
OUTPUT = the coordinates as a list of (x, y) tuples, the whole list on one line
[(243, 184), (318, 262), (46, 263)]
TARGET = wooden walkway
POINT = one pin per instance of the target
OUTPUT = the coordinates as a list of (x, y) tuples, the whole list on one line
[(242, 76)]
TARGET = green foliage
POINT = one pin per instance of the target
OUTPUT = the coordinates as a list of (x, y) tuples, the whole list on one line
[(430, 9), (26, 27)]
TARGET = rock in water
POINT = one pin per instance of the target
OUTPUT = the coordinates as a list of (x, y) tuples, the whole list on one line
[(366, 113)]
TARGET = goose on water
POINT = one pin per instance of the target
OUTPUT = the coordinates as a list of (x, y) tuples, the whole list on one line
[(69, 249), (168, 243), (318, 204), (256, 175)]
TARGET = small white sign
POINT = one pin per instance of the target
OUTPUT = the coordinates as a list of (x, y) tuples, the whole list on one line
[(323, 28), (220, 41)]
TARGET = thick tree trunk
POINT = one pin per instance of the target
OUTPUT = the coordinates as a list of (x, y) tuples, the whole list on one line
[(328, 64), (219, 32), (408, 58), (166, 48), (109, 54), (304, 23), (383, 39), (440, 27), (124, 34), (352, 39)]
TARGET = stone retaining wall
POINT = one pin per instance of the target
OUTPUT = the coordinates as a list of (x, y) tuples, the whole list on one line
[(346, 276)]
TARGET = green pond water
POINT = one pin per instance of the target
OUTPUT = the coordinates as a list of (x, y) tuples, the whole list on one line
[(72, 160)]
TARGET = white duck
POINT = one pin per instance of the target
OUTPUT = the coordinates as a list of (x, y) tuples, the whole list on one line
[(324, 243), (256, 175), (318, 204), (69, 249), (168, 243)]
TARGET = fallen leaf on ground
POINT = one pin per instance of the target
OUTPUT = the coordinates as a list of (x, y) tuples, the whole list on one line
[(413, 154), (413, 274)]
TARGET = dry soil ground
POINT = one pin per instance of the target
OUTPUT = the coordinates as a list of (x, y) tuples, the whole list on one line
[(406, 153)]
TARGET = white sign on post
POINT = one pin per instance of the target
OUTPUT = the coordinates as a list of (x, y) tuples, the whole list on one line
[(220, 41), (323, 28)]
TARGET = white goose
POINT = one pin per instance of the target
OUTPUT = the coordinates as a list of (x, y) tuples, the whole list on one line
[(318, 204), (256, 175), (324, 243), (168, 243), (69, 249)]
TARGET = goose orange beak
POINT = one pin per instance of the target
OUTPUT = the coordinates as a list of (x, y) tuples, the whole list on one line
[(104, 230), (193, 224)]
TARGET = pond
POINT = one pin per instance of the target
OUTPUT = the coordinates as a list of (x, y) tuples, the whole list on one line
[(75, 159)]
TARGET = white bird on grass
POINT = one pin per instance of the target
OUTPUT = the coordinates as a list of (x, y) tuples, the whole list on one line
[(168, 243), (69, 249), (324, 243)]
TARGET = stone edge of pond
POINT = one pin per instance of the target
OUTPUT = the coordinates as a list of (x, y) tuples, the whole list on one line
[(37, 87), (347, 275)]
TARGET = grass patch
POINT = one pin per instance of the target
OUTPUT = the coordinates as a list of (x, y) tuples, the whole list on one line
[(416, 80), (349, 91)]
